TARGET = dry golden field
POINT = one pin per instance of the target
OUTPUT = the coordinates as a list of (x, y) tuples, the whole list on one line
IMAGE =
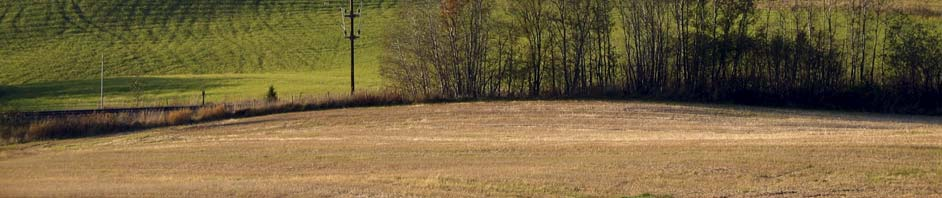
[(535, 148)]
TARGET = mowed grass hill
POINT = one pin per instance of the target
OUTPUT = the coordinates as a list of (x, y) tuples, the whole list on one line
[(52, 50)]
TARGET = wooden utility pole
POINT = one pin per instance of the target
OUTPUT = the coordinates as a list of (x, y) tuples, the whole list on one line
[(353, 34)]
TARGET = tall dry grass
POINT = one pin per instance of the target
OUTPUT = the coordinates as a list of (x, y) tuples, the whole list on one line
[(210, 113), (13, 130), (79, 126), (183, 116)]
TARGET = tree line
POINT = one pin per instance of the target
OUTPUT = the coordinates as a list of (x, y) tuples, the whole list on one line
[(855, 54)]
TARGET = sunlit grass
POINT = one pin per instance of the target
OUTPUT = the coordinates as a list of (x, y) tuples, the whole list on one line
[(53, 50), (185, 89)]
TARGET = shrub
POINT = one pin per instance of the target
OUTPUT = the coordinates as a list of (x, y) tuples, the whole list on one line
[(78, 126), (180, 117), (271, 96), (148, 119), (45, 129), (211, 113), (12, 134)]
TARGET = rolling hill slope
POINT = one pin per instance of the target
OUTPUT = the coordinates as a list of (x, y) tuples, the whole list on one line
[(58, 40), (52, 50)]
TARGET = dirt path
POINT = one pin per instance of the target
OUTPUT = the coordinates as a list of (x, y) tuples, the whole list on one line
[(569, 148)]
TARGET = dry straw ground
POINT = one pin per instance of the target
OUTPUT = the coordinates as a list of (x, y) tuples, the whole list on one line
[(552, 148)]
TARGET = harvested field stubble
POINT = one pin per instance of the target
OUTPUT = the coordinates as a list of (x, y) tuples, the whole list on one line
[(553, 148)]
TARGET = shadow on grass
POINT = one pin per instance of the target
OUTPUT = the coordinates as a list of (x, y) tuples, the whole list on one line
[(91, 88)]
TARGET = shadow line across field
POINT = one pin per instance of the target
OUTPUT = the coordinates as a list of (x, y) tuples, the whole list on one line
[(85, 88)]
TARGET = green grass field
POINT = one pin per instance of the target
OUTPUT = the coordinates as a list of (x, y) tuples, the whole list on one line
[(183, 89), (52, 50)]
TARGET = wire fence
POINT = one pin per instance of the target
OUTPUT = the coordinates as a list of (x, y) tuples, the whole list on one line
[(244, 100), (167, 107)]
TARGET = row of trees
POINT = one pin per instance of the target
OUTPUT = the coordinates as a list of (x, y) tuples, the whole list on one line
[(858, 54)]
